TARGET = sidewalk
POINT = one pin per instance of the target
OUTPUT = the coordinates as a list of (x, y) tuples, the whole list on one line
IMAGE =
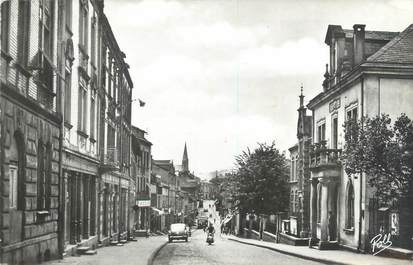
[(324, 256), (139, 252)]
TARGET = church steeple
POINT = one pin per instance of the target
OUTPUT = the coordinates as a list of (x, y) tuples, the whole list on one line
[(185, 166), (301, 97)]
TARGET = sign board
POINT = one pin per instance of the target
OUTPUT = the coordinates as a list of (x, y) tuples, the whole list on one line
[(144, 203)]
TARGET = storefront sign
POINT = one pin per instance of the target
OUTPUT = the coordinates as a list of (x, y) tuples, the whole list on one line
[(144, 203)]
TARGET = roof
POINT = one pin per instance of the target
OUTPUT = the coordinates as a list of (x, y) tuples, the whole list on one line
[(398, 50), (373, 35), (293, 147)]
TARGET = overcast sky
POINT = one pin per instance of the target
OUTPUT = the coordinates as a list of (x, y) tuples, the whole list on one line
[(224, 75)]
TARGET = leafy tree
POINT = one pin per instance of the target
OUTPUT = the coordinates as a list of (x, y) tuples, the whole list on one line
[(261, 181), (382, 151)]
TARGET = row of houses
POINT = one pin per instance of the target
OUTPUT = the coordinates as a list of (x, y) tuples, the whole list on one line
[(369, 73), (74, 172)]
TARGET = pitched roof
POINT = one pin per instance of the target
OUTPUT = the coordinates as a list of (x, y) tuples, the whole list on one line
[(373, 35), (398, 50)]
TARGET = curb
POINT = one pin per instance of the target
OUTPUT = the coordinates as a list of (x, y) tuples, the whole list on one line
[(155, 253), (325, 261)]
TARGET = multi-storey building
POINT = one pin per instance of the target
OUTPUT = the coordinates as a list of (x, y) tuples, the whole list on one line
[(141, 172), (82, 102), (115, 191), (32, 78), (299, 208), (370, 73), (166, 170)]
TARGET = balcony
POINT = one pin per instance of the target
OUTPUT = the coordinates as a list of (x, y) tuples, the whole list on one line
[(110, 160), (322, 158)]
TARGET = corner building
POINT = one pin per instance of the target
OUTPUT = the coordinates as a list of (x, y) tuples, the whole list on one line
[(370, 73)]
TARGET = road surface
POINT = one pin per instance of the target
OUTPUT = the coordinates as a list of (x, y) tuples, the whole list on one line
[(223, 251)]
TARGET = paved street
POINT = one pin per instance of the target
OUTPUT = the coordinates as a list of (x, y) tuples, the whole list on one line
[(223, 251)]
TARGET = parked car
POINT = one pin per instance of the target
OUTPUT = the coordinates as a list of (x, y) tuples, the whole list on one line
[(178, 231)]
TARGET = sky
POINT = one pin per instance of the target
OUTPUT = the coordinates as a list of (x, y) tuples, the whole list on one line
[(224, 75)]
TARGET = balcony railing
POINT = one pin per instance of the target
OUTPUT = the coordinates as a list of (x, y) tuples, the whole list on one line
[(321, 156), (110, 160)]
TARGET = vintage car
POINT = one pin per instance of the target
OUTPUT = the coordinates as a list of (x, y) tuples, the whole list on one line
[(178, 231)]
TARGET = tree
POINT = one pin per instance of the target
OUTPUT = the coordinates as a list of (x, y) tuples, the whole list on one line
[(261, 181), (382, 151)]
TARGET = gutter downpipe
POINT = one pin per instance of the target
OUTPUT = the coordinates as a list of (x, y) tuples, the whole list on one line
[(361, 215), (61, 198)]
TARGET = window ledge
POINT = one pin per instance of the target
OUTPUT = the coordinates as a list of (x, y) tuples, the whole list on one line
[(6, 56), (42, 213), (349, 230), (23, 69), (68, 125), (82, 133)]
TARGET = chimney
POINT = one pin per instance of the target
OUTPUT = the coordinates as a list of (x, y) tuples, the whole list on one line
[(358, 38)]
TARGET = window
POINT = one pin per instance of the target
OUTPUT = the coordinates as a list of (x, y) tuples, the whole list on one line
[(13, 171), (68, 96), (93, 42), (292, 201), (46, 27), (41, 176), (352, 114), (68, 14), (48, 175), (319, 203), (296, 201), (83, 24), (334, 130), (23, 32), (82, 107), (92, 114), (350, 206), (5, 24), (321, 132)]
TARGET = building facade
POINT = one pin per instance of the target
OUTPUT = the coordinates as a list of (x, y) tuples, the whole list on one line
[(141, 172), (299, 208), (369, 71), (81, 160), (116, 191), (166, 170), (31, 75)]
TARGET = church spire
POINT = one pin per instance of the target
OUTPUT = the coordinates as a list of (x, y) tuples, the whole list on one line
[(185, 166), (301, 97)]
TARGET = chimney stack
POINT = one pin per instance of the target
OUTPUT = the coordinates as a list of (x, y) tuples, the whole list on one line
[(358, 44)]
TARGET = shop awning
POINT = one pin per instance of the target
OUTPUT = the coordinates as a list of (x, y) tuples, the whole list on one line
[(160, 212)]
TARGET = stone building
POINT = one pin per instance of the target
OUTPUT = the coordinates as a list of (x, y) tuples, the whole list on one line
[(369, 72), (32, 48), (299, 208)]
